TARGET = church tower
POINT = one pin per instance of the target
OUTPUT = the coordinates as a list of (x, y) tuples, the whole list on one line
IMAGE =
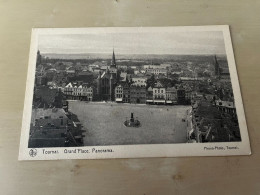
[(39, 58), (113, 62), (217, 68)]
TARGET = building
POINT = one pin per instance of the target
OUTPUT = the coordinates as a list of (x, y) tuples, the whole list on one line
[(123, 77), (171, 95), (39, 58), (54, 127), (226, 107), (52, 84), (71, 72), (149, 95), (143, 71), (50, 74), (136, 71), (119, 93), (139, 81), (122, 92), (137, 94), (96, 70), (126, 92), (176, 71), (106, 81), (133, 67), (165, 66), (87, 92), (123, 67), (190, 79), (40, 79), (181, 97), (188, 94), (78, 91), (157, 71), (146, 67), (92, 67), (159, 93)]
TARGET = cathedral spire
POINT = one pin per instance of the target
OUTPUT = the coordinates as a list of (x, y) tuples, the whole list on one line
[(113, 62)]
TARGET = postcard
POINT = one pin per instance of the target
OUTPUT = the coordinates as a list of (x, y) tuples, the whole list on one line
[(132, 92)]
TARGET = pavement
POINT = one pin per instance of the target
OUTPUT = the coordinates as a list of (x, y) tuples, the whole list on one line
[(104, 123)]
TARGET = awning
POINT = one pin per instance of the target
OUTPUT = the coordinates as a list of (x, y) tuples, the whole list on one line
[(161, 101), (149, 100), (119, 99), (169, 102)]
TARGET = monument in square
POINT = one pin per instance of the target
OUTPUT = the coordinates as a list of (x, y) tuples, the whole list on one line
[(133, 122)]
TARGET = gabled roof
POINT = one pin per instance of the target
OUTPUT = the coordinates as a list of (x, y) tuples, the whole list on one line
[(171, 89), (150, 89), (125, 84), (119, 85), (69, 85), (159, 85)]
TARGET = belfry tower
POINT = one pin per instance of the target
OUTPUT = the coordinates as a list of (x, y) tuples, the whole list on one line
[(113, 61)]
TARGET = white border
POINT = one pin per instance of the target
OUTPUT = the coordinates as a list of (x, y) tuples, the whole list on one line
[(135, 151)]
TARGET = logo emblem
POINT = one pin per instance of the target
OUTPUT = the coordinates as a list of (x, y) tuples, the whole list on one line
[(33, 152)]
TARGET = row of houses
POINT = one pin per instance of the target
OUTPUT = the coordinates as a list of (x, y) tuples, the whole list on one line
[(137, 94), (79, 91), (158, 94)]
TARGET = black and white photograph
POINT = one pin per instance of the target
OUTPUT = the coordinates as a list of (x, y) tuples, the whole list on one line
[(132, 92)]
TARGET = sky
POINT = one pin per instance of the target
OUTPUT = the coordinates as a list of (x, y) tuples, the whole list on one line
[(192, 42)]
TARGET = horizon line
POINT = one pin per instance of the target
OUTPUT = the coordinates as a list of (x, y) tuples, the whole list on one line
[(132, 54)]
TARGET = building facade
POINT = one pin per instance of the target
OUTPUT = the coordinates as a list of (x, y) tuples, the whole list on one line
[(126, 92), (119, 93), (137, 94), (181, 97), (171, 95), (149, 95), (159, 93), (157, 71), (139, 81), (77, 91)]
